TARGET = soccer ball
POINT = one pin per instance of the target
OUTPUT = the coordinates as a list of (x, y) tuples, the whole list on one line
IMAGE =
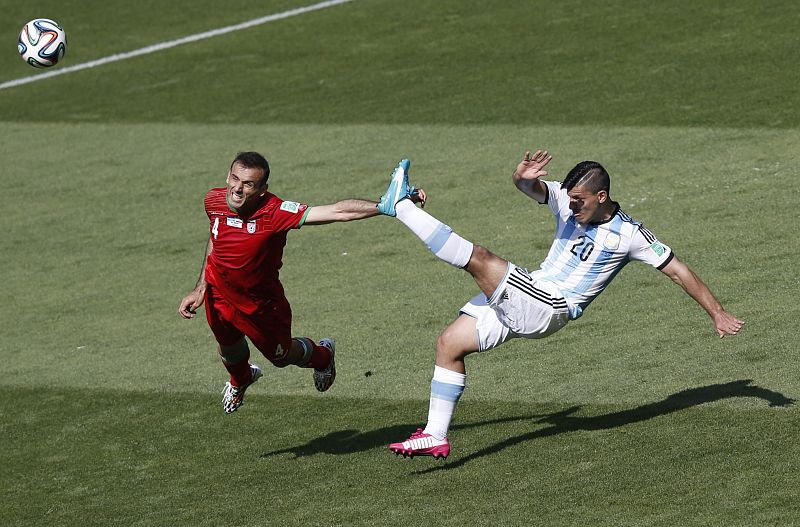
[(42, 43)]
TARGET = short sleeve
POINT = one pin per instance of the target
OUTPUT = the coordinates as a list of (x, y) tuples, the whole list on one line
[(646, 248), (288, 215), (557, 198)]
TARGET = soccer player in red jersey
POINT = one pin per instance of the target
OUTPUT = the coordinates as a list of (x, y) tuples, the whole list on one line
[(239, 280)]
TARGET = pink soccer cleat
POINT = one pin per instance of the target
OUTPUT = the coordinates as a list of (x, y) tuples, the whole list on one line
[(422, 444)]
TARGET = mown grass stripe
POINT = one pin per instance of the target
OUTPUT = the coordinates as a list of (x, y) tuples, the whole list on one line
[(172, 43)]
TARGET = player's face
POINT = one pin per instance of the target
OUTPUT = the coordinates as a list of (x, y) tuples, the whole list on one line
[(585, 205), (245, 187)]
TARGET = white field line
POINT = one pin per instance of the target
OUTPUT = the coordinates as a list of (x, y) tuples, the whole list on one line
[(172, 43)]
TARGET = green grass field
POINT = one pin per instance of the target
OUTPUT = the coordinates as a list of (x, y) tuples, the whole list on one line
[(636, 414)]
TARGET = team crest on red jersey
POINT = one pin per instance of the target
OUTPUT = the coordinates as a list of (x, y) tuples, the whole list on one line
[(251, 226)]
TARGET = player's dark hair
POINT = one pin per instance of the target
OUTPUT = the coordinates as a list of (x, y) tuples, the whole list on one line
[(253, 160), (589, 174)]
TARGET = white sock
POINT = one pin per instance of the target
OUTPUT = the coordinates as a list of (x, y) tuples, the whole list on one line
[(446, 389), (440, 238)]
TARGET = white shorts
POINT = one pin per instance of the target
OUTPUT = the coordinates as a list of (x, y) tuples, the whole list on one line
[(521, 306)]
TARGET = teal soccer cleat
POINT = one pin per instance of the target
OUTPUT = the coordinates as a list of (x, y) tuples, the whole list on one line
[(398, 190)]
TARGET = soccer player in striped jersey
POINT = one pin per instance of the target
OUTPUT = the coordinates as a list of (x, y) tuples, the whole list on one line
[(594, 240), (239, 281)]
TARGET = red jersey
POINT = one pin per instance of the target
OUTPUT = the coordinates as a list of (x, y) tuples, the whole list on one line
[(247, 252)]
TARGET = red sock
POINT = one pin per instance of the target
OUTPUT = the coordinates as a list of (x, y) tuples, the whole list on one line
[(240, 372), (320, 357)]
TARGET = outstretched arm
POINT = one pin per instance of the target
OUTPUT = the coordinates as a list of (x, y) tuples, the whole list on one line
[(527, 174), (345, 210), (193, 300), (350, 209), (724, 322)]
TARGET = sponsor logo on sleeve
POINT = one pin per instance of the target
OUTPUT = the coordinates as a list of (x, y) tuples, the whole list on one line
[(657, 248), (290, 206)]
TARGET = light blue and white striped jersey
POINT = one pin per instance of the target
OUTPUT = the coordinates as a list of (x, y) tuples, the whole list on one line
[(584, 258)]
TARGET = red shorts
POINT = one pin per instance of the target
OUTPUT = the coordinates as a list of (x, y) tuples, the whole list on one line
[(269, 328)]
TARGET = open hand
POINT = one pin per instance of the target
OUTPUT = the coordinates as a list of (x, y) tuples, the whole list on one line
[(531, 166), (727, 324)]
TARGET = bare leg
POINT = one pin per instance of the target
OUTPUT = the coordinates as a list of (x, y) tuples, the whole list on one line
[(487, 269), (458, 340)]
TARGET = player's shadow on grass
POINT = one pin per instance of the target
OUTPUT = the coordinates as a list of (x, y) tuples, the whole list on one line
[(562, 422), (351, 441)]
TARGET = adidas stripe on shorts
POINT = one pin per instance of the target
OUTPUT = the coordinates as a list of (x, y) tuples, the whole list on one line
[(521, 306)]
